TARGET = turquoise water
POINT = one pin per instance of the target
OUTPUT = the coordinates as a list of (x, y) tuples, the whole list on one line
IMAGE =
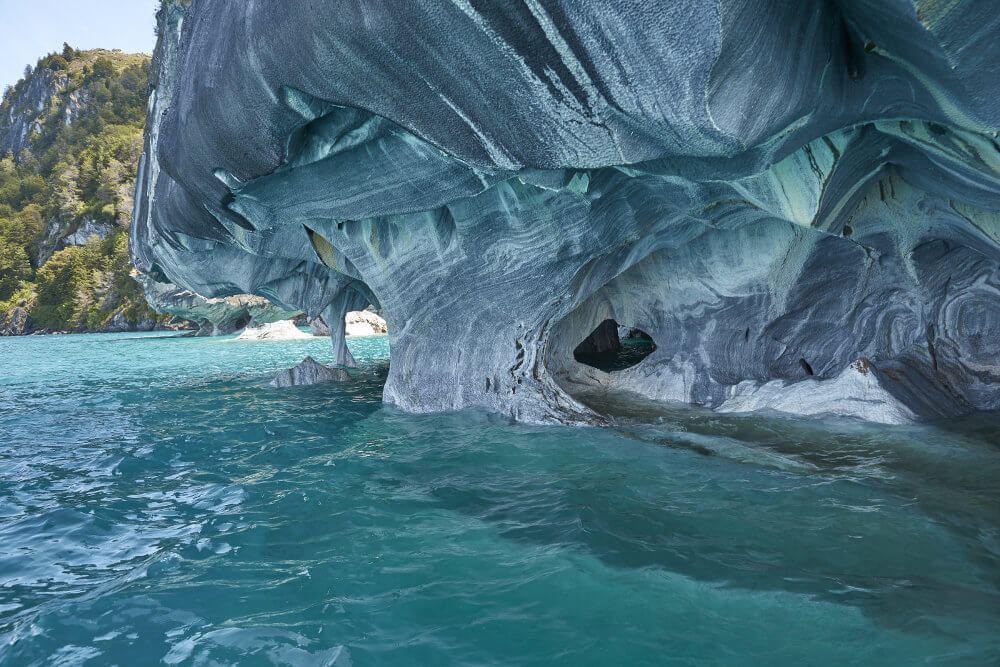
[(160, 503), (632, 351)]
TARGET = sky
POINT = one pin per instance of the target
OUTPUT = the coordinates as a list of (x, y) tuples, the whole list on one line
[(30, 29)]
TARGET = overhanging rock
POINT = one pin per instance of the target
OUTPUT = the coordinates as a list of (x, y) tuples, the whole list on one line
[(773, 193)]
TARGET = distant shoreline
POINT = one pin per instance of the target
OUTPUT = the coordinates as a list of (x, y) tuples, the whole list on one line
[(46, 332), (180, 332)]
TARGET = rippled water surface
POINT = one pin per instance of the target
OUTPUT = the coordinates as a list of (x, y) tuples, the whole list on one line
[(160, 503)]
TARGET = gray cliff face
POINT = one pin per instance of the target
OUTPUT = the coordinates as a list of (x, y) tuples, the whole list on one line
[(24, 114), (17, 322), (800, 207)]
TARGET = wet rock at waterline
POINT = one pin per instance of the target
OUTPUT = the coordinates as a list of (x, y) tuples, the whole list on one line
[(309, 372), (15, 323), (771, 194)]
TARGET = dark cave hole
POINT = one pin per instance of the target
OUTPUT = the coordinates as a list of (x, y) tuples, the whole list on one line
[(612, 348), (157, 274), (241, 322)]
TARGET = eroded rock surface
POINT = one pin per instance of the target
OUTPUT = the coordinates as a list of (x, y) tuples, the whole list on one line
[(215, 317), (775, 193), (309, 372), (317, 327)]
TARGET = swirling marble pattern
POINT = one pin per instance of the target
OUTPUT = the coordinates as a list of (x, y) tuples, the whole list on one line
[(800, 206)]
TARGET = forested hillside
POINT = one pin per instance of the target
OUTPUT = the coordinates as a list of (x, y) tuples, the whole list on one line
[(70, 140)]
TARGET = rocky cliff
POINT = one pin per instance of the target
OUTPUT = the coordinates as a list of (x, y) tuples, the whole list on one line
[(800, 205), (70, 140), (74, 123), (70, 137)]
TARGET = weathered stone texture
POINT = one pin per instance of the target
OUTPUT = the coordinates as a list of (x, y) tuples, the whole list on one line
[(778, 194)]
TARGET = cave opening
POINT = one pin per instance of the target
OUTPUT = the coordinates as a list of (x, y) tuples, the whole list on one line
[(612, 347)]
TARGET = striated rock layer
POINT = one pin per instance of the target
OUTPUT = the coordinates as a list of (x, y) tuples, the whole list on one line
[(801, 206)]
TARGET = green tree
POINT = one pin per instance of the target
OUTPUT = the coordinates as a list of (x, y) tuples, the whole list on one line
[(110, 180), (102, 69), (65, 193), (32, 190), (57, 63), (25, 225), (15, 268), (64, 285)]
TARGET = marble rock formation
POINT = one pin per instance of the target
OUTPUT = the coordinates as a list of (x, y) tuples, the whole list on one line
[(309, 372), (799, 203), (219, 316)]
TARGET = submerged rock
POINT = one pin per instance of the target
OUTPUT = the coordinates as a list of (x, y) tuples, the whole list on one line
[(283, 330), (309, 372), (742, 181)]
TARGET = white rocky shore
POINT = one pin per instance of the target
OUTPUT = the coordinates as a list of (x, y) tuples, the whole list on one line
[(356, 323), (281, 330)]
